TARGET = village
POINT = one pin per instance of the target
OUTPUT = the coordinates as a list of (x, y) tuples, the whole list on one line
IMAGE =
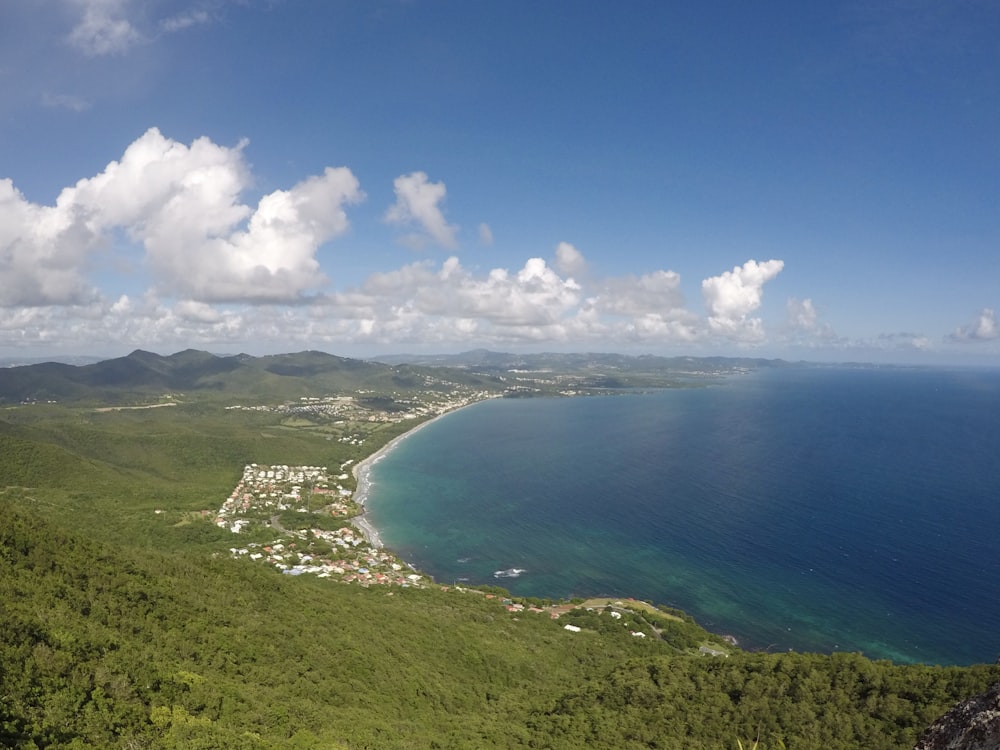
[(325, 543), (310, 508), (352, 419)]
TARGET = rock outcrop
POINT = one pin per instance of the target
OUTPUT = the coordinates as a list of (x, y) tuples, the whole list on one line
[(973, 724)]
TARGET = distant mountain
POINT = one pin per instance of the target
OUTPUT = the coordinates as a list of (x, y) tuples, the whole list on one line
[(78, 359), (142, 376)]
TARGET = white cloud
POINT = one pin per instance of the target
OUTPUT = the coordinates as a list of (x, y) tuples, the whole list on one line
[(114, 27), (533, 296), (103, 29), (485, 234), (423, 304), (569, 260), (803, 326), (273, 259), (802, 314), (647, 308), (43, 251), (184, 21), (733, 295), (449, 305), (226, 272), (197, 312), (418, 202), (984, 328), (656, 293), (181, 204)]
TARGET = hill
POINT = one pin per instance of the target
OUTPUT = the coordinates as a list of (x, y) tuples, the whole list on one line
[(141, 376)]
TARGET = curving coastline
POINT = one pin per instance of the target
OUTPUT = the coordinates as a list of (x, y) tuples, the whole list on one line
[(362, 471)]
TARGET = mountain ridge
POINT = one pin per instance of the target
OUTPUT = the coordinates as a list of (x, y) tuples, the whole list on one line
[(142, 374)]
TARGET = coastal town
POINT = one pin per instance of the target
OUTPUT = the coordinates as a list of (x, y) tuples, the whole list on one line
[(324, 543), (316, 515)]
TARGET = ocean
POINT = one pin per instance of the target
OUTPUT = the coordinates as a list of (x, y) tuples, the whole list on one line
[(807, 509)]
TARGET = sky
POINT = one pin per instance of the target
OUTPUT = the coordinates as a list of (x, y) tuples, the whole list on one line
[(816, 181)]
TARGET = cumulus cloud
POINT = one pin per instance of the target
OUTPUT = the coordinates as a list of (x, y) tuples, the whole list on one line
[(103, 28), (127, 323), (181, 204), (569, 260), (535, 295), (804, 327), (43, 250), (652, 293), (230, 272), (273, 259), (649, 307), (418, 203), (424, 304), (984, 328), (195, 312), (732, 296), (802, 314)]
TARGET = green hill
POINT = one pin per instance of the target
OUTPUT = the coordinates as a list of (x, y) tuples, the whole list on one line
[(143, 376)]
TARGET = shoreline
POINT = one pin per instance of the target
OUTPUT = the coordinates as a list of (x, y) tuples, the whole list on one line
[(362, 470)]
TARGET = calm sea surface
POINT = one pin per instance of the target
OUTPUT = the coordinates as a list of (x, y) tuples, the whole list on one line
[(806, 509)]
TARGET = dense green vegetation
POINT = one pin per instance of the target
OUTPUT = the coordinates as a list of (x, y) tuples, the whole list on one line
[(121, 627), (103, 648)]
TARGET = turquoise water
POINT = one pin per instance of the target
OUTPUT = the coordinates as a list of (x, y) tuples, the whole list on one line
[(806, 509)]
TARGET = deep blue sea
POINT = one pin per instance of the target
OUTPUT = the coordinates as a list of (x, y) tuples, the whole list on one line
[(813, 509)]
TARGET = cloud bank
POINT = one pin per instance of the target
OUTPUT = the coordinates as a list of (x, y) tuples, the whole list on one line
[(221, 270)]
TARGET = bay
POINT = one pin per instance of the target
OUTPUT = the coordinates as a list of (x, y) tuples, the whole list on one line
[(809, 509)]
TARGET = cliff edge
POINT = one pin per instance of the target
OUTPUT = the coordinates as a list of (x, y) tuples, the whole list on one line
[(973, 724)]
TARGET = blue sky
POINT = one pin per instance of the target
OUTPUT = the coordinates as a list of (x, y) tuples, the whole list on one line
[(809, 180)]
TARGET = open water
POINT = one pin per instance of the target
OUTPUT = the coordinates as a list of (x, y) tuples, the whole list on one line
[(808, 509)]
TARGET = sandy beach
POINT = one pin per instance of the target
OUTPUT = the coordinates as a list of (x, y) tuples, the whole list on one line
[(362, 471)]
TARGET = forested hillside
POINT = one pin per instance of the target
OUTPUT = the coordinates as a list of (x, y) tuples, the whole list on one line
[(125, 622)]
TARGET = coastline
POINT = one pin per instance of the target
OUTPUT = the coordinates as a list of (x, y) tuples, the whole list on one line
[(362, 470)]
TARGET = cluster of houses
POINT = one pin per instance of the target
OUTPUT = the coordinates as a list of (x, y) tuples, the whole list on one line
[(350, 419), (352, 560), (264, 491), (352, 409), (344, 554)]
